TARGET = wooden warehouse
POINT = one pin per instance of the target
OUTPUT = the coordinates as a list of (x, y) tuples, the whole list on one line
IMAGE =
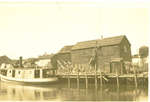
[(111, 53)]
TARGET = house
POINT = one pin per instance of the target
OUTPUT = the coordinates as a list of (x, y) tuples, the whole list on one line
[(136, 59), (111, 53), (29, 63), (141, 64), (140, 60), (44, 60)]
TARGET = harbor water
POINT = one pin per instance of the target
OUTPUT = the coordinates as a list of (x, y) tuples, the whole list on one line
[(62, 92)]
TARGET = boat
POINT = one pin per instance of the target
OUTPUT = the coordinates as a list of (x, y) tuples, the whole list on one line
[(27, 75)]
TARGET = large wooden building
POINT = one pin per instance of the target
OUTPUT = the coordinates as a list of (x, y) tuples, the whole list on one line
[(110, 53)]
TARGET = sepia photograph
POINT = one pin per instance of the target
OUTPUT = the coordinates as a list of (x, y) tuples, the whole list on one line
[(74, 50)]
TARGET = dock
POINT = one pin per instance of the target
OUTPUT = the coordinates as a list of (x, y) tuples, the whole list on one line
[(101, 79)]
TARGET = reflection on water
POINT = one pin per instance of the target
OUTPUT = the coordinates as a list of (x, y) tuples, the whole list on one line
[(61, 92)]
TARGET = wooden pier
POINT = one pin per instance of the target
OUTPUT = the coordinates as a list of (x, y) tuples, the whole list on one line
[(103, 78), (86, 73)]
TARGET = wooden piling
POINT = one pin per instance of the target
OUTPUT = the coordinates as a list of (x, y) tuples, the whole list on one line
[(101, 79), (135, 81), (86, 79), (78, 67), (68, 79), (135, 77), (117, 78), (95, 76), (118, 94)]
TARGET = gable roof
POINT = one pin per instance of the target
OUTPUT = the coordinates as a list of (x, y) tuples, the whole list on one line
[(66, 49), (102, 42)]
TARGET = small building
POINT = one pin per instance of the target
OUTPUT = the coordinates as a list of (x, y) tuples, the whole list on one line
[(140, 63), (136, 59), (110, 53), (44, 60)]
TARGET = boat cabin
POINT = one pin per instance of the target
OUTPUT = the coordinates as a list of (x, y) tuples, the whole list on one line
[(28, 73)]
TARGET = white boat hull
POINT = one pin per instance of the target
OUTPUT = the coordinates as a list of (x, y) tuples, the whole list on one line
[(29, 81)]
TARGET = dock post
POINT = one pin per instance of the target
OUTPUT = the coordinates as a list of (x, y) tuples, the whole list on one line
[(95, 76), (86, 78), (135, 80), (78, 77), (68, 79), (117, 78), (118, 94), (135, 77), (101, 79)]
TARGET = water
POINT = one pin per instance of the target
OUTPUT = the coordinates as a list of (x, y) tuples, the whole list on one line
[(62, 92)]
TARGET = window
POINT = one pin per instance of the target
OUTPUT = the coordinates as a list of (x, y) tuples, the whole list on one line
[(19, 72), (10, 71)]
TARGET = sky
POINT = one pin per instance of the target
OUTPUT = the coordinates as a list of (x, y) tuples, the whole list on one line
[(30, 29)]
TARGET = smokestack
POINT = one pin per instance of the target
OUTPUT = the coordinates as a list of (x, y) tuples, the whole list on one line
[(20, 61)]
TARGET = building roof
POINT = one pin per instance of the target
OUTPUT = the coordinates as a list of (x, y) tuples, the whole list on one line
[(66, 49), (100, 42)]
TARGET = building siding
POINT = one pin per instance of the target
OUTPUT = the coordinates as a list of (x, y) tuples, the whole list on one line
[(125, 53), (82, 56), (105, 54), (64, 56)]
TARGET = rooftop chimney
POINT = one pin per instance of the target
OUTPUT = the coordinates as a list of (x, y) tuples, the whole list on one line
[(20, 61)]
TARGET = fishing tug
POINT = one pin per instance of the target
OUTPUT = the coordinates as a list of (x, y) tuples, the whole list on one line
[(31, 76)]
